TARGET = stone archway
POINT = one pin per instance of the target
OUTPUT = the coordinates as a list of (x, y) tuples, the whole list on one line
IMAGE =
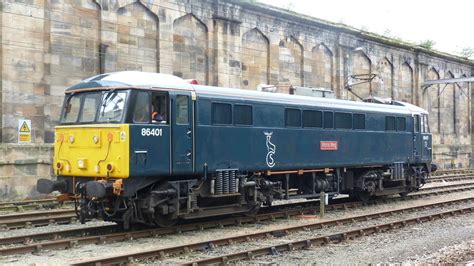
[(322, 67), (255, 59), (137, 38), (190, 49), (290, 62)]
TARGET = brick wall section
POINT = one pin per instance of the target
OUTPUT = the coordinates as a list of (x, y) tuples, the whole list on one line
[(49, 45)]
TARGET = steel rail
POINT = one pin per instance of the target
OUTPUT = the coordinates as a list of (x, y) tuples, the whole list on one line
[(447, 186), (209, 244), (35, 219), (26, 202), (443, 171), (450, 178), (32, 206)]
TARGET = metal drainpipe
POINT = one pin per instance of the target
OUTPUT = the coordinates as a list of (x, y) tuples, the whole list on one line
[(102, 51)]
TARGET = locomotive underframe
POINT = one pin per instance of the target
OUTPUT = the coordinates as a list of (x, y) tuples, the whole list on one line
[(154, 201)]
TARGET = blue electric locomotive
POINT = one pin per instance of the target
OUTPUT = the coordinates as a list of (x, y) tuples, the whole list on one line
[(153, 148)]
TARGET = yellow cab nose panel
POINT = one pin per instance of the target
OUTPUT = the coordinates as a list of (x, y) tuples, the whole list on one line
[(100, 150)]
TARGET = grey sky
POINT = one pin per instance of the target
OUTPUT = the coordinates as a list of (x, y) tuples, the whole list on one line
[(448, 23)]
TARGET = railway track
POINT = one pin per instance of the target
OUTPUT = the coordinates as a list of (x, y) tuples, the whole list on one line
[(35, 219), (29, 205), (453, 171), (111, 233), (469, 184), (438, 176), (326, 239), (276, 249), (67, 216), (450, 178)]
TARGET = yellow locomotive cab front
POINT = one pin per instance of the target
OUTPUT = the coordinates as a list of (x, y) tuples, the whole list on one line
[(96, 151)]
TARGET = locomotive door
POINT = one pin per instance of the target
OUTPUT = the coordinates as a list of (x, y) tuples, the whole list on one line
[(182, 139), (425, 139), (417, 138)]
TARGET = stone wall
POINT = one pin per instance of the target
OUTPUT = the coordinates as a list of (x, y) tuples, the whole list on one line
[(21, 166), (49, 45)]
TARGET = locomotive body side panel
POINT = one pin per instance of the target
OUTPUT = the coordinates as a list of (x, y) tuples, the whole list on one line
[(149, 150), (268, 145)]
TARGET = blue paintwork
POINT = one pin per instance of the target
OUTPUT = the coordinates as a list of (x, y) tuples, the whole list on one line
[(182, 138), (230, 146), (156, 161), (245, 147)]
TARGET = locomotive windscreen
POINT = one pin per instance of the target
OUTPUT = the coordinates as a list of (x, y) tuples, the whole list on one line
[(94, 107)]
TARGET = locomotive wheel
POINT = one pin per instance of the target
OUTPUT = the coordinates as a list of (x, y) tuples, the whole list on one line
[(165, 220), (363, 196), (403, 194), (253, 210)]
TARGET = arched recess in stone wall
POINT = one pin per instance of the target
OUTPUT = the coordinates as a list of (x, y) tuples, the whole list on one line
[(448, 106), (190, 49), (290, 62), (405, 89), (463, 123), (383, 84), (432, 101), (322, 67), (74, 46), (360, 63), (137, 38), (255, 59)]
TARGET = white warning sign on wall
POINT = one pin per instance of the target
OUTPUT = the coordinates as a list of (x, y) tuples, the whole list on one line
[(24, 131)]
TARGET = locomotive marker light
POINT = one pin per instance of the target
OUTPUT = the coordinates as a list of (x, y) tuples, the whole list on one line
[(60, 138), (110, 167), (110, 137)]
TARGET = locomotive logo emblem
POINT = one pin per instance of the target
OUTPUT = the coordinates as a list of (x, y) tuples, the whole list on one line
[(271, 149)]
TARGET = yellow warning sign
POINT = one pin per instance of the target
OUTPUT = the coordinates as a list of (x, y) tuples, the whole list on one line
[(24, 138), (24, 131), (24, 128)]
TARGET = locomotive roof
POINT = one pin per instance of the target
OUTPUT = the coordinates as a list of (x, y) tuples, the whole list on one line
[(398, 106), (137, 79)]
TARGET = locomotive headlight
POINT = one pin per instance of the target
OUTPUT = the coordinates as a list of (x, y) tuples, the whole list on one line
[(68, 168), (95, 139), (71, 139), (82, 163)]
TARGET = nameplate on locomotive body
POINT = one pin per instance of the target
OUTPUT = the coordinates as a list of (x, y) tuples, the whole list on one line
[(328, 145)]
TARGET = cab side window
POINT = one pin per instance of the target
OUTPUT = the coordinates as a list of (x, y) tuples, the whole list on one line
[(141, 113), (426, 127), (416, 123), (182, 116), (159, 104)]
